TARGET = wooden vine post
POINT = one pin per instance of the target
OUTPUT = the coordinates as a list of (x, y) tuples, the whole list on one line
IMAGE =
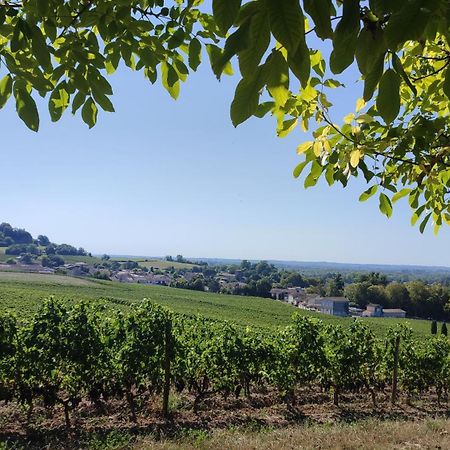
[(168, 352), (395, 370)]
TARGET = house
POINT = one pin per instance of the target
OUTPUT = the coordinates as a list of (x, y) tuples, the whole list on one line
[(279, 293), (373, 310), (396, 312), (313, 302), (296, 295), (226, 277), (336, 306)]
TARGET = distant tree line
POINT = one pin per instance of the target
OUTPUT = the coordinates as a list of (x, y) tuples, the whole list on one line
[(20, 243)]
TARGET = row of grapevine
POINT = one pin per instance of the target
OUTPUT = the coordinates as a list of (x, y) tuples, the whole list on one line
[(67, 354)]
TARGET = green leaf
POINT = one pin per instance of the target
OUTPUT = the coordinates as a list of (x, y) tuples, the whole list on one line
[(246, 98), (78, 101), (195, 52), (277, 74), (300, 64), (370, 47), (446, 85), (26, 107), (40, 49), (89, 112), (409, 22), (368, 193), (103, 101), (215, 54), (176, 39), (400, 194), (299, 169), (5, 90), (313, 177), (170, 80), (287, 23), (320, 12), (398, 66), (225, 13), (235, 43), (388, 99), (372, 79), (58, 102), (385, 205), (345, 37), (424, 222), (259, 39)]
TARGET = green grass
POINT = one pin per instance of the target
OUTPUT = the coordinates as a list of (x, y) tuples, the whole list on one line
[(157, 263), (23, 293), (4, 257)]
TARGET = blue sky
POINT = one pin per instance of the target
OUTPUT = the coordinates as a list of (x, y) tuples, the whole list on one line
[(163, 177)]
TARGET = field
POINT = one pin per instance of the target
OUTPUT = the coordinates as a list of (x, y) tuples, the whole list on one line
[(22, 294)]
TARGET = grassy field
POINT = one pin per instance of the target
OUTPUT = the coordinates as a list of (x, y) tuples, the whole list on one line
[(157, 263), (23, 293), (365, 435)]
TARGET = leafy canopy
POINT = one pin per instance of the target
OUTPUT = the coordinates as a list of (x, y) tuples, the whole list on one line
[(397, 137)]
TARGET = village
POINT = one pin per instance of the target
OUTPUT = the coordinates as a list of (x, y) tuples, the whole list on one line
[(216, 281), (335, 306)]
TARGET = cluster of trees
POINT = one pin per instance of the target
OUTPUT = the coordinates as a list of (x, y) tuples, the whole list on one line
[(197, 283), (66, 354), (416, 297), (20, 242), (182, 259), (10, 236)]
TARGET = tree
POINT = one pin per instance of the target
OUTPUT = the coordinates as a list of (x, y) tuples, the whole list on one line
[(398, 296), (26, 258), (444, 329), (335, 287), (43, 240), (52, 261), (433, 327), (50, 249), (397, 137)]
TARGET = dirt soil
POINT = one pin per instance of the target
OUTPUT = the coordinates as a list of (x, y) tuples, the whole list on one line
[(262, 411)]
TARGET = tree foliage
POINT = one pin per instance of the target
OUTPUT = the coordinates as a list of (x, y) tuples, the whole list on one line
[(397, 138)]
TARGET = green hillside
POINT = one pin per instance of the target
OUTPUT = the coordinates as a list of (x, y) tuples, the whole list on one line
[(157, 263), (23, 293)]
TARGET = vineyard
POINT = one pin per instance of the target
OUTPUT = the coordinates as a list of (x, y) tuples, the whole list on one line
[(68, 355)]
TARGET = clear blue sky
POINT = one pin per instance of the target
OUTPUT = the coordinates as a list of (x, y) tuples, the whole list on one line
[(163, 177)]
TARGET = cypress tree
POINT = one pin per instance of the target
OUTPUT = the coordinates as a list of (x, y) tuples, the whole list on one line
[(444, 329), (433, 327)]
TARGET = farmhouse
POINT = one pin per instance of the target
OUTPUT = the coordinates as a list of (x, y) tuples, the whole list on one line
[(279, 293), (396, 312), (375, 310), (336, 306), (296, 294)]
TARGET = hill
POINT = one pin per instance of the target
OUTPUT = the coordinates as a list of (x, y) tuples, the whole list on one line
[(23, 293)]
